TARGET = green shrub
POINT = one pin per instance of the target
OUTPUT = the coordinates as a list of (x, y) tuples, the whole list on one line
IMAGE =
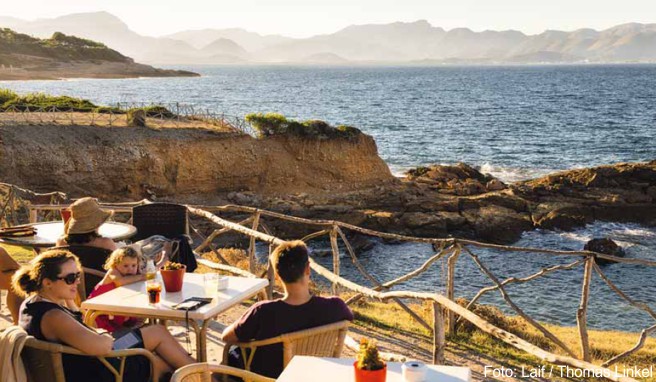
[(6, 95), (271, 124), (40, 100), (268, 124)]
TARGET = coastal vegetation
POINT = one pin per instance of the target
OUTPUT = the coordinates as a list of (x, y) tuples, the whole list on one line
[(272, 124), (10, 100)]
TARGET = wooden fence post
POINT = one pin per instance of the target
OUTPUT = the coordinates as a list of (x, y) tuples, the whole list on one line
[(439, 337), (582, 312), (450, 285), (271, 275), (251, 247), (335, 250)]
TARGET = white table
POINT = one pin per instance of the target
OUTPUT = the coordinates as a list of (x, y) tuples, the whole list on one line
[(48, 233), (341, 369), (132, 300)]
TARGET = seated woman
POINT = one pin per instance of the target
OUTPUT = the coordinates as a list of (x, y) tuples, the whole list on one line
[(49, 313), (8, 266), (82, 227)]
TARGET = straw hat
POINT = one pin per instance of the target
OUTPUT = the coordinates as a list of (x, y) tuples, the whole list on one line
[(86, 216)]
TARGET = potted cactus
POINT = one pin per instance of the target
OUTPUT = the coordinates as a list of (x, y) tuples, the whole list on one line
[(368, 366), (173, 275)]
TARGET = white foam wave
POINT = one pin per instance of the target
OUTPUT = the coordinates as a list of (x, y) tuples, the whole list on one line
[(513, 174)]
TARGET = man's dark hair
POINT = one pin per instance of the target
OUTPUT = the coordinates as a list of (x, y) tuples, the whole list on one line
[(289, 260)]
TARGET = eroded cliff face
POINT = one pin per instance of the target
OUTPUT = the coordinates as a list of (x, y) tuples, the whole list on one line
[(115, 163)]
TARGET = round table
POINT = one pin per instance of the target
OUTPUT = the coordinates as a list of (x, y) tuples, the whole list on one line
[(48, 233)]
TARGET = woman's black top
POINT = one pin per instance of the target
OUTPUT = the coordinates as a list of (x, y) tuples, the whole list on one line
[(80, 368)]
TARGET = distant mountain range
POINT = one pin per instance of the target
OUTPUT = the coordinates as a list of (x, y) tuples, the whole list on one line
[(397, 43)]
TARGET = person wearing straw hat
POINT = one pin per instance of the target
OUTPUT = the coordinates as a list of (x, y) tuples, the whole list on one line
[(82, 227)]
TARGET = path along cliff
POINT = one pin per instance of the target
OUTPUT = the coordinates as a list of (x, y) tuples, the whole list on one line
[(341, 179)]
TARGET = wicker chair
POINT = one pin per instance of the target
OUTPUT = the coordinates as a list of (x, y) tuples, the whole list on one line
[(43, 360), (166, 219), (82, 290), (320, 341), (92, 259), (202, 372)]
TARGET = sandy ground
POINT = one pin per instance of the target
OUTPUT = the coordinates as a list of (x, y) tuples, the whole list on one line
[(111, 120)]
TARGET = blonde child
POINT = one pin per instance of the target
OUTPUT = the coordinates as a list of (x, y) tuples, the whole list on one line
[(122, 268)]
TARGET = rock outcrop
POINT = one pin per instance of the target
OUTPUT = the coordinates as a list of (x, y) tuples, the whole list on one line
[(606, 246), (460, 179)]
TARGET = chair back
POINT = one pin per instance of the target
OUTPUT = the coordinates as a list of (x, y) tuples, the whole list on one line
[(43, 361), (166, 219), (322, 341), (202, 372), (92, 258)]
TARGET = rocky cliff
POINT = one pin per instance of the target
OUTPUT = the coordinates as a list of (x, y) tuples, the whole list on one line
[(118, 163)]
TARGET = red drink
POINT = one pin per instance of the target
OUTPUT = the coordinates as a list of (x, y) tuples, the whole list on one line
[(154, 289)]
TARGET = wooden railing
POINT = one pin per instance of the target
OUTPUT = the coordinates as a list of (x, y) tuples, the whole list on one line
[(447, 314)]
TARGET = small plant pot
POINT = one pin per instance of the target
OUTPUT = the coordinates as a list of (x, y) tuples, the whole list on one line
[(173, 279), (369, 375)]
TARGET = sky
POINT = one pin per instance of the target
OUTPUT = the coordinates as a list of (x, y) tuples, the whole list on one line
[(304, 18)]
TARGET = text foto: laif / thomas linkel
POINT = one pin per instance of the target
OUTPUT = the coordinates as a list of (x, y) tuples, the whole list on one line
[(567, 372)]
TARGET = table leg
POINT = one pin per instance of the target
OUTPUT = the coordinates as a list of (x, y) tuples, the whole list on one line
[(201, 339)]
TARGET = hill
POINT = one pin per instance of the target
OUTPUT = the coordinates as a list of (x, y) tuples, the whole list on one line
[(61, 56)]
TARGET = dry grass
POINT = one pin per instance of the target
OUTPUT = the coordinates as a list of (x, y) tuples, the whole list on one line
[(111, 120), (604, 344)]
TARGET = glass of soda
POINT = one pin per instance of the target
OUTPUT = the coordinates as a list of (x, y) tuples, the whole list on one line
[(153, 288)]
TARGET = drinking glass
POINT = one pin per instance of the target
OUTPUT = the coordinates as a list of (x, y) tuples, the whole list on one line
[(154, 288), (211, 283)]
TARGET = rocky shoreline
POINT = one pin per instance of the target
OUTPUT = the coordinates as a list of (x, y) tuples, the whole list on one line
[(335, 179), (459, 201)]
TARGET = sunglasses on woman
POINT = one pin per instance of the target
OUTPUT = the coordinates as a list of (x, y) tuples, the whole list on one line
[(70, 278)]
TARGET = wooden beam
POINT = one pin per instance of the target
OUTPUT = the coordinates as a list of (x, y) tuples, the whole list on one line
[(439, 338), (582, 312)]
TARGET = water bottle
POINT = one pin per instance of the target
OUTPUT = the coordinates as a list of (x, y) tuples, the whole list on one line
[(151, 271)]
